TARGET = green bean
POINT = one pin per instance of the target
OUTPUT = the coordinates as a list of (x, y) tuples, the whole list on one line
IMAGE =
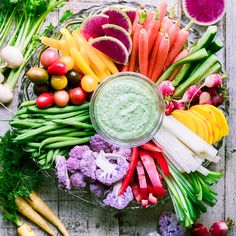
[(199, 55), (53, 140), (61, 131), (33, 133), (80, 133), (58, 110), (63, 152), (49, 156), (199, 75), (21, 111), (55, 154), (22, 124), (68, 143), (33, 144), (27, 103), (42, 162), (75, 124), (66, 115)]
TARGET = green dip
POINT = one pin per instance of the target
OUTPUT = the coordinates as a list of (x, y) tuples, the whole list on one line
[(127, 108)]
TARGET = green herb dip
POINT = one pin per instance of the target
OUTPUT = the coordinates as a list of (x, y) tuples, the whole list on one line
[(127, 108)]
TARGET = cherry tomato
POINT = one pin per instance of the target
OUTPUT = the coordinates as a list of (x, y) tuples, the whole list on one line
[(89, 83), (58, 82), (77, 96), (61, 98), (42, 88), (69, 61), (44, 100), (73, 77), (48, 57), (57, 68)]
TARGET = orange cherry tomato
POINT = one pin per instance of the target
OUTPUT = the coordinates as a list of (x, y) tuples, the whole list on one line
[(69, 61), (58, 82), (89, 83)]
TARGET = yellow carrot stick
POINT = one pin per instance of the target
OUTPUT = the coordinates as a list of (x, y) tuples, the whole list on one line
[(85, 55), (40, 206), (68, 38), (25, 209), (25, 230), (54, 43)]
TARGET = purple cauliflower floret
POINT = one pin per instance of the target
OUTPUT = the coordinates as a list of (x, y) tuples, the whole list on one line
[(125, 152), (98, 143), (111, 168), (169, 225), (119, 202), (77, 151), (77, 180), (87, 165), (72, 164), (98, 189), (62, 173)]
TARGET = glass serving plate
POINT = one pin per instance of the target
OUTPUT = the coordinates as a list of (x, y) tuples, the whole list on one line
[(26, 89)]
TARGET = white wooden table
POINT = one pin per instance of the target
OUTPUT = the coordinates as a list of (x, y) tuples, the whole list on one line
[(82, 219)]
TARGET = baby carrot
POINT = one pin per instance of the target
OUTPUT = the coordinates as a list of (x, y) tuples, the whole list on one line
[(25, 230), (163, 9), (149, 19), (143, 52), (154, 53), (181, 55), (161, 57), (153, 30), (167, 23), (181, 38), (173, 31)]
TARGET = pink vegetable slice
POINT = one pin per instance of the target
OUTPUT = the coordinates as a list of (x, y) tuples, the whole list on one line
[(112, 47), (119, 33), (120, 18), (131, 14), (92, 26), (204, 12)]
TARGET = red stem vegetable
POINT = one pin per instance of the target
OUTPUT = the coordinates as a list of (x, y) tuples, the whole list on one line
[(130, 172), (136, 192), (149, 146), (142, 180), (149, 164), (161, 58), (162, 162), (143, 52)]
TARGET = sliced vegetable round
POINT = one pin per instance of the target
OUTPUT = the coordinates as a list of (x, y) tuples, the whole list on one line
[(58, 82)]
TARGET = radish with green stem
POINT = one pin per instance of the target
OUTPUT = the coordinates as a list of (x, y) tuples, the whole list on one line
[(205, 98), (191, 94), (166, 88)]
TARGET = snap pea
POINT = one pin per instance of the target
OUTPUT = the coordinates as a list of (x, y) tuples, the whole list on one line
[(58, 110), (198, 55), (68, 143), (199, 75)]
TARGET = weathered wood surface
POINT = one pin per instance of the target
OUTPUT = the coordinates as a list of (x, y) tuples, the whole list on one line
[(83, 219)]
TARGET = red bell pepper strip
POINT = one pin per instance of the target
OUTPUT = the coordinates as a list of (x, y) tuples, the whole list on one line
[(136, 192), (130, 172), (152, 199), (149, 164), (162, 162), (149, 146), (142, 180)]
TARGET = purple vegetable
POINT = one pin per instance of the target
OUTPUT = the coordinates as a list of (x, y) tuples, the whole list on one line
[(72, 164), (119, 202), (111, 168), (166, 88), (98, 189), (97, 144), (87, 165), (169, 225), (77, 151), (125, 152), (77, 181), (217, 101), (62, 173)]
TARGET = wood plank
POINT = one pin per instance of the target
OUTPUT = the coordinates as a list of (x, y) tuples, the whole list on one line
[(230, 191)]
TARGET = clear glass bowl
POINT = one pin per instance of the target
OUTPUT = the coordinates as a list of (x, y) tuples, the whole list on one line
[(149, 109)]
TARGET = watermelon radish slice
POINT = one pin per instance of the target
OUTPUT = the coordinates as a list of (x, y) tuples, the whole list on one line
[(119, 33), (92, 26), (112, 47), (204, 12), (131, 14), (120, 18)]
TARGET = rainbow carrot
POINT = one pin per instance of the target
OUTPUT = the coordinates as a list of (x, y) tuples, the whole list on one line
[(161, 57), (149, 19), (163, 9), (181, 55), (143, 52), (154, 53), (173, 31), (167, 23), (125, 68)]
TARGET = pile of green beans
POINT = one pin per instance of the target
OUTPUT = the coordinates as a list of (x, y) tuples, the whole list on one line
[(47, 133)]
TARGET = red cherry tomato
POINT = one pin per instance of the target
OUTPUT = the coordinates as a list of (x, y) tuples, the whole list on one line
[(61, 98), (45, 100), (48, 57), (77, 96), (57, 68)]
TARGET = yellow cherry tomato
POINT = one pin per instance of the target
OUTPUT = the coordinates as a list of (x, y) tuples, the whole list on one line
[(58, 82), (69, 61), (89, 83)]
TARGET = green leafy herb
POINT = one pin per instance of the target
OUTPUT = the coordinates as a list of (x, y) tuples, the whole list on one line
[(67, 14)]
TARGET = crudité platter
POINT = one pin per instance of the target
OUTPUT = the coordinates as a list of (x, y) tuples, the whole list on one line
[(120, 104)]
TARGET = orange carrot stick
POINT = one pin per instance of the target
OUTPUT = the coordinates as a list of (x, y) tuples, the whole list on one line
[(125, 68), (181, 55), (153, 30), (150, 17), (173, 31), (154, 53), (161, 57), (163, 9), (167, 23), (181, 38), (143, 52)]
